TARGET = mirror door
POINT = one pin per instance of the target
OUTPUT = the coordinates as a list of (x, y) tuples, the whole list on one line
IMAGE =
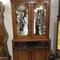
[(40, 20), (22, 20)]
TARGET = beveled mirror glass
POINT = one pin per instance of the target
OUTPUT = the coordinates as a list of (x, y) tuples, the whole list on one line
[(40, 20), (22, 20)]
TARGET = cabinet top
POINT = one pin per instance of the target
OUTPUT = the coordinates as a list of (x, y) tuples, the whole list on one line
[(28, 0)]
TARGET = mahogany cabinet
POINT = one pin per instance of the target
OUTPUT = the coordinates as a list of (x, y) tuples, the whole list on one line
[(30, 19)]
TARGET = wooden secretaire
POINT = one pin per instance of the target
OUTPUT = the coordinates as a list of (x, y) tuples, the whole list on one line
[(30, 20)]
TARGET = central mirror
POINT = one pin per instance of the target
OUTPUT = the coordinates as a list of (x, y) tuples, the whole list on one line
[(22, 20), (40, 20)]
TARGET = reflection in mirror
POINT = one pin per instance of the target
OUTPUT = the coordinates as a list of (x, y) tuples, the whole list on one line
[(22, 20), (40, 20)]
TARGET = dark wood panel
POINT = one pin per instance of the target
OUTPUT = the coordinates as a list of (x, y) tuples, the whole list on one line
[(22, 55), (40, 55), (15, 56), (46, 54)]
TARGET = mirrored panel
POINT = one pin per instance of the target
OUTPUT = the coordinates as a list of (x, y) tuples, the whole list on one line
[(22, 20), (40, 20)]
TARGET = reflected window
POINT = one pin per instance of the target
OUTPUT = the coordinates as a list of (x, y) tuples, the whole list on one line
[(22, 20), (40, 20)]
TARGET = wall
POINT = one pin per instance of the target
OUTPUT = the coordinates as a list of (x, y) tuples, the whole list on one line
[(53, 23), (8, 22)]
